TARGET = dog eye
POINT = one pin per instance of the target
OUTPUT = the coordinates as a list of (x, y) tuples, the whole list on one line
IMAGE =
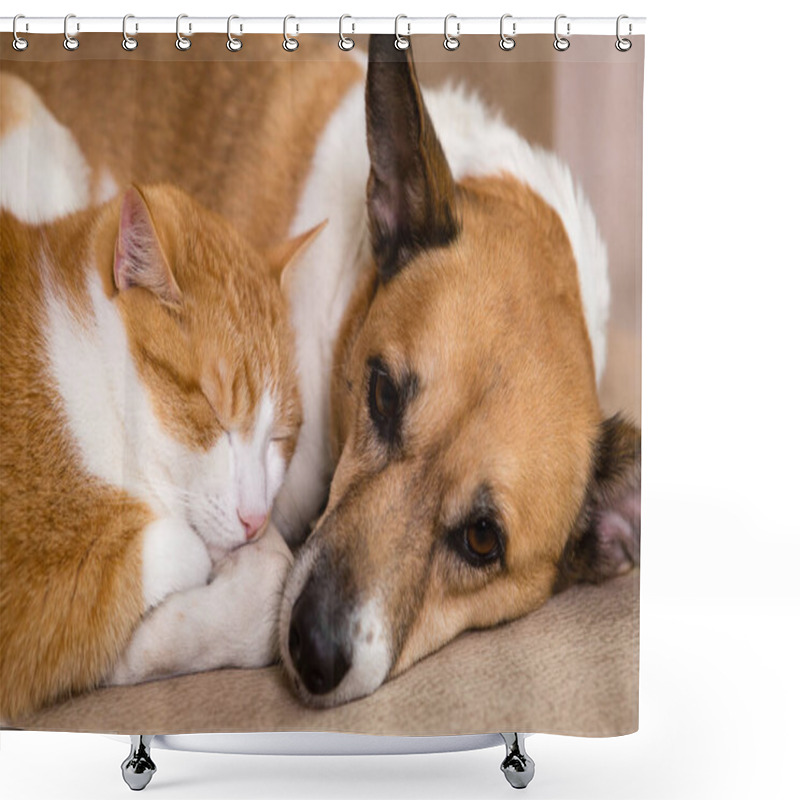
[(481, 539), (384, 402), (480, 542), (385, 396)]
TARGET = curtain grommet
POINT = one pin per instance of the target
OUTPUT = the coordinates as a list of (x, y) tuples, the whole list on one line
[(234, 43), (623, 45), (182, 42), (561, 43), (345, 42), (290, 43), (19, 44), (451, 42), (129, 43), (507, 42), (401, 42), (70, 42)]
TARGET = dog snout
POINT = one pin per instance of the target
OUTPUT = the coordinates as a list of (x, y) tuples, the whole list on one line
[(319, 646)]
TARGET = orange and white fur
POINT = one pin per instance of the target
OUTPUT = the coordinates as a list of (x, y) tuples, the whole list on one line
[(450, 333), (149, 411)]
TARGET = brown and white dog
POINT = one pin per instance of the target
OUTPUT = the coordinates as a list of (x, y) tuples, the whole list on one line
[(450, 334), (474, 473)]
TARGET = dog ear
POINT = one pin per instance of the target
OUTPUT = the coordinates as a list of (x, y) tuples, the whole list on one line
[(605, 539), (410, 194)]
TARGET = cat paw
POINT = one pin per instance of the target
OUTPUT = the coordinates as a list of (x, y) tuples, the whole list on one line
[(174, 559), (231, 622), (250, 591), (146, 657)]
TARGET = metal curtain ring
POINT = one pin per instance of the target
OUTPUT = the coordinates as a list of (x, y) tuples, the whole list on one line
[(128, 42), (345, 43), (290, 44), (19, 43), (70, 42), (401, 42), (507, 42), (451, 42), (623, 45), (234, 44), (560, 42), (182, 43)]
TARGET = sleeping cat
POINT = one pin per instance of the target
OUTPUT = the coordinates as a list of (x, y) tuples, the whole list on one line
[(148, 412)]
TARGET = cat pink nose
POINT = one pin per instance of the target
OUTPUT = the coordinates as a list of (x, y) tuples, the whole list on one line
[(252, 522)]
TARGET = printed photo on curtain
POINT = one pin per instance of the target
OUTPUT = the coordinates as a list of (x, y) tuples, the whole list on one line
[(320, 385)]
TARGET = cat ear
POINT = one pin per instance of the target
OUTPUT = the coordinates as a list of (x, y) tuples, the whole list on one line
[(139, 258), (605, 539), (285, 256)]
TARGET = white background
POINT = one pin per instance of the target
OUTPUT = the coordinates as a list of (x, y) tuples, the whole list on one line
[(721, 545)]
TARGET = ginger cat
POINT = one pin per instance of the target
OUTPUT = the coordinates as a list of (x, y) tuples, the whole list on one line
[(148, 412)]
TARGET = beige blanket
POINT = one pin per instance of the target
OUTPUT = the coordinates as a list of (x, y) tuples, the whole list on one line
[(571, 667)]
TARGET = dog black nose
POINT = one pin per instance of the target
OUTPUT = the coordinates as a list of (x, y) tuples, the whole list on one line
[(318, 645)]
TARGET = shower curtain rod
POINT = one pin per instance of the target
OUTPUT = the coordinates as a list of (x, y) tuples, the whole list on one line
[(458, 26)]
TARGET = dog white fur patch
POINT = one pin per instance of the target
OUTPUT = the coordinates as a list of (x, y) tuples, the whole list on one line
[(478, 143), (372, 654), (369, 637), (321, 287)]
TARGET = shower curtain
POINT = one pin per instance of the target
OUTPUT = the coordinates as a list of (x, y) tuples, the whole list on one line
[(380, 305)]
